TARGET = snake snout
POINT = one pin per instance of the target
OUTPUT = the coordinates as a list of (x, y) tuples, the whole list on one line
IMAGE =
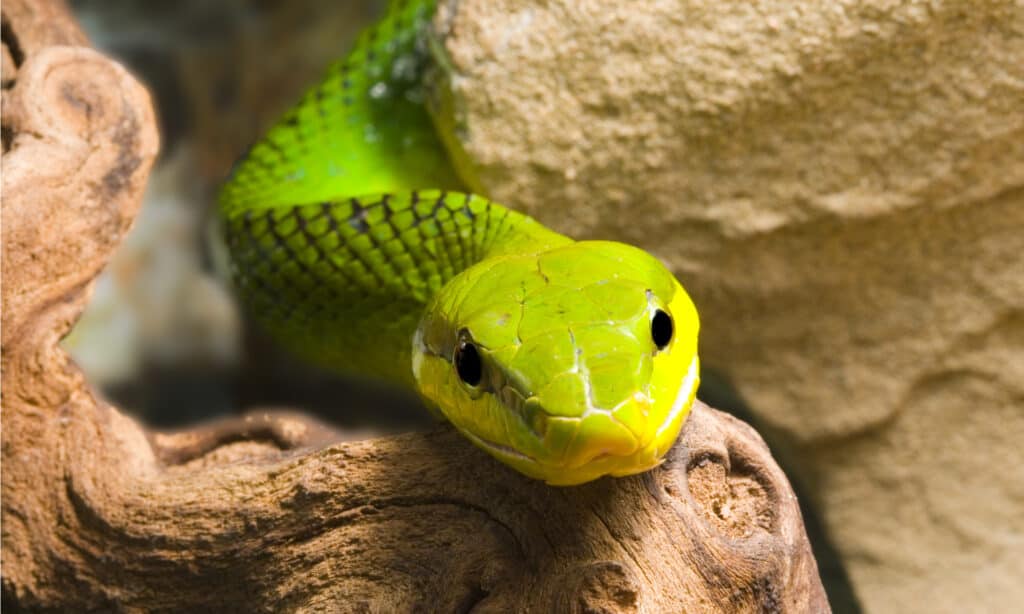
[(610, 433)]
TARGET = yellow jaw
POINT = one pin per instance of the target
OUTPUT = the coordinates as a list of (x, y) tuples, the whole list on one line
[(643, 459)]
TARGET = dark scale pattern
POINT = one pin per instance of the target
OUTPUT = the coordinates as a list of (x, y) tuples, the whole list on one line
[(344, 283), (343, 280)]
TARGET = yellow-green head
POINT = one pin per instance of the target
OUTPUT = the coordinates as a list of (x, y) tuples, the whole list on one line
[(567, 364)]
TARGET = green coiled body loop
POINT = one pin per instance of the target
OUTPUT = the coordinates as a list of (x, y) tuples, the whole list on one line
[(351, 242)]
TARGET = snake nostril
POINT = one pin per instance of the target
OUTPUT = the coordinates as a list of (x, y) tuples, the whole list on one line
[(538, 423), (534, 417)]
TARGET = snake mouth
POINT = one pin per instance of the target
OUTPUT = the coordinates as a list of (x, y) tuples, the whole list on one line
[(499, 450), (641, 459)]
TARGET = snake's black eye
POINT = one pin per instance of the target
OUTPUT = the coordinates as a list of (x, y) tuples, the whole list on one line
[(661, 329), (468, 364)]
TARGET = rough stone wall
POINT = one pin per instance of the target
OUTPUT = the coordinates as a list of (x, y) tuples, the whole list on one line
[(841, 187)]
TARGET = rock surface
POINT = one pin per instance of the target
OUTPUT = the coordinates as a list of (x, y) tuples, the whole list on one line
[(841, 188), (273, 512)]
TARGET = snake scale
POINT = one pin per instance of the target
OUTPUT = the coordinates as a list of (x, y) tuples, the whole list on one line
[(351, 241)]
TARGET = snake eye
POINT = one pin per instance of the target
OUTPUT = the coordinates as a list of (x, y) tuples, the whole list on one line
[(661, 329), (468, 364)]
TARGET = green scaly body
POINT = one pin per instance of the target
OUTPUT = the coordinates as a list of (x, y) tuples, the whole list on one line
[(351, 244)]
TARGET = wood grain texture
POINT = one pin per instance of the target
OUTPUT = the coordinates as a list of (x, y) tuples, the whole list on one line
[(273, 512)]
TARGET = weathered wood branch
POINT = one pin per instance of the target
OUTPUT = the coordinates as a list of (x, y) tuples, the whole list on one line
[(272, 512)]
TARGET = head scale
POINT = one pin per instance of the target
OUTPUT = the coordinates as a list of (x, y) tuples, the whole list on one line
[(568, 364)]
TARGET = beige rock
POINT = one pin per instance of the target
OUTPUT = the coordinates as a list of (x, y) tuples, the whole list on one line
[(841, 187)]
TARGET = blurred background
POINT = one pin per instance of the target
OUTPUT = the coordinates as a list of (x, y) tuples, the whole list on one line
[(162, 336)]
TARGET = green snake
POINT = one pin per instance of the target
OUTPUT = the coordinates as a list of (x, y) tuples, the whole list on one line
[(351, 243)]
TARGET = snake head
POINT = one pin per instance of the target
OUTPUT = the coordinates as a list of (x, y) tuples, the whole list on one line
[(567, 364)]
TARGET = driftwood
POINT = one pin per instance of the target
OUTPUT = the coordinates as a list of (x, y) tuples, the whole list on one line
[(271, 512)]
